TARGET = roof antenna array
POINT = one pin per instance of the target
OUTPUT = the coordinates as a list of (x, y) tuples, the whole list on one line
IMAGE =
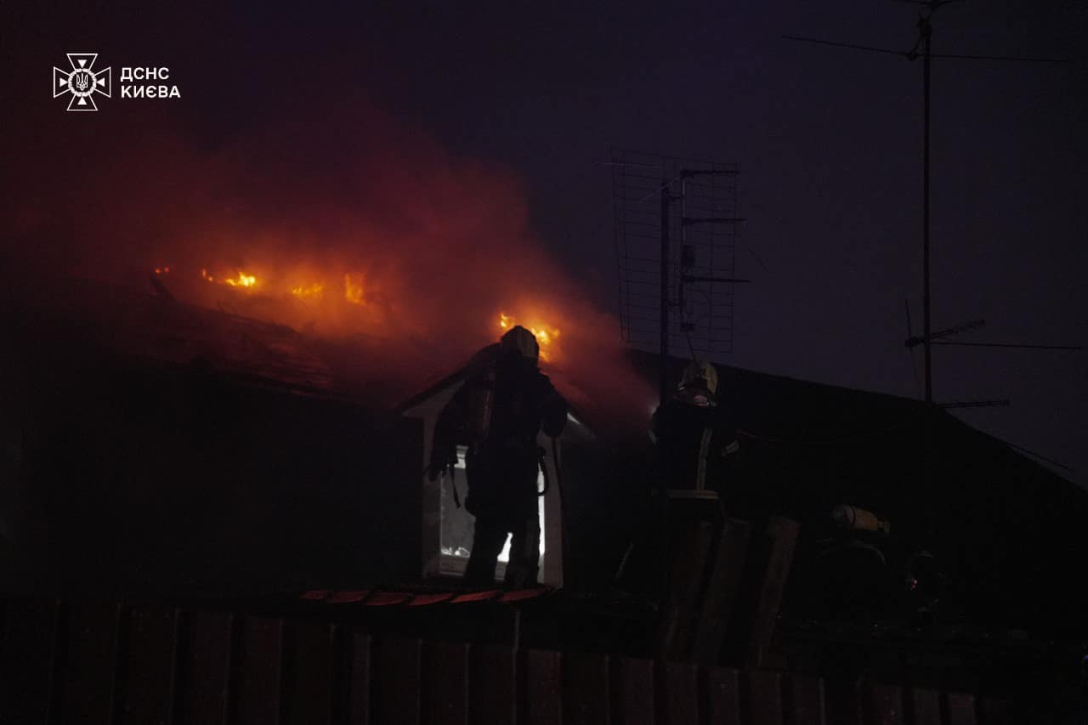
[(670, 290)]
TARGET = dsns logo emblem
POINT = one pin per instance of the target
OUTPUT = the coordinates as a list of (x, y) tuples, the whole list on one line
[(81, 81)]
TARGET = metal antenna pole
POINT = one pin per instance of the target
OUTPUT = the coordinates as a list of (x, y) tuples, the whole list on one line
[(684, 261), (663, 291), (663, 484), (926, 31), (664, 382)]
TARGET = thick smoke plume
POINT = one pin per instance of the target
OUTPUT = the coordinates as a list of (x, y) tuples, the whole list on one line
[(339, 223)]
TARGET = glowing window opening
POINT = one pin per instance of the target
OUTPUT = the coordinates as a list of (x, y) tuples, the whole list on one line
[(463, 553)]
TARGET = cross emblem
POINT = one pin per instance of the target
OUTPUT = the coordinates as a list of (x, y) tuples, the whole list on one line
[(81, 81)]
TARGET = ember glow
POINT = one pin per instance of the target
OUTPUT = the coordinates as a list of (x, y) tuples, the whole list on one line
[(546, 336), (354, 293), (309, 291), (273, 285), (242, 280), (353, 290)]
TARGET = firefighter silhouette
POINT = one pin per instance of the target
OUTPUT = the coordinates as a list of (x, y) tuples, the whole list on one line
[(693, 439), (692, 434), (498, 414)]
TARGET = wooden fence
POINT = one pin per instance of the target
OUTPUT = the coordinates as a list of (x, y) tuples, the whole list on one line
[(111, 664)]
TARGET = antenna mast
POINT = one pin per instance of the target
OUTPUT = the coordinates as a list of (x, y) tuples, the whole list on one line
[(925, 30), (670, 290), (923, 47)]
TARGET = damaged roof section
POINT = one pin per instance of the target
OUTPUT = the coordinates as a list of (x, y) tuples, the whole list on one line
[(77, 316)]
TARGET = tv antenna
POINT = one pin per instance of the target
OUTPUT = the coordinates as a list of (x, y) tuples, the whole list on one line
[(922, 48), (673, 292)]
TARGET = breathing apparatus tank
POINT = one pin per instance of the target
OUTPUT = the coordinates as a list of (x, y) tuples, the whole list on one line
[(481, 398)]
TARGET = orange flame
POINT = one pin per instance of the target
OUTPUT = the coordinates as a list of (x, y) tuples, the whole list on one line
[(354, 285), (546, 336), (353, 290), (355, 293), (310, 291), (242, 280)]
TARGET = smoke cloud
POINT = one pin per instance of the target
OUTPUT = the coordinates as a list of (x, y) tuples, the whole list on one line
[(338, 222)]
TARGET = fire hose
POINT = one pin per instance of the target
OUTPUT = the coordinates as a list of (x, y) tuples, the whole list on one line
[(562, 494)]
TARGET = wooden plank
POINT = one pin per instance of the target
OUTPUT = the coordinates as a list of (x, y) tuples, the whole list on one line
[(689, 548), (308, 673), (359, 681), (28, 666), (960, 708), (633, 698), (992, 711), (446, 670), (808, 700), (493, 686), (784, 534), (723, 685), (340, 685), (722, 590), (205, 669), (926, 705), (543, 688), (396, 682), (426, 600), (475, 597), (148, 696), (844, 699), (765, 698), (259, 696), (586, 698), (996, 712), (522, 595), (387, 599), (681, 696), (885, 704), (89, 677)]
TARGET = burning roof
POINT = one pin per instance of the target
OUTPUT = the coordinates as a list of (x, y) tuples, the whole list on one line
[(233, 329), (343, 224)]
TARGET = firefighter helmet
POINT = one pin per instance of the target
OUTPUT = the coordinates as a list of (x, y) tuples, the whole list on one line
[(521, 340), (700, 373)]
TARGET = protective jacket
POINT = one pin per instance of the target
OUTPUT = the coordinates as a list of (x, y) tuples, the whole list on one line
[(498, 414), (693, 438), (502, 459)]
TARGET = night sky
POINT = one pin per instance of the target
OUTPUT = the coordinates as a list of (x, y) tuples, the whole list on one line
[(828, 142)]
